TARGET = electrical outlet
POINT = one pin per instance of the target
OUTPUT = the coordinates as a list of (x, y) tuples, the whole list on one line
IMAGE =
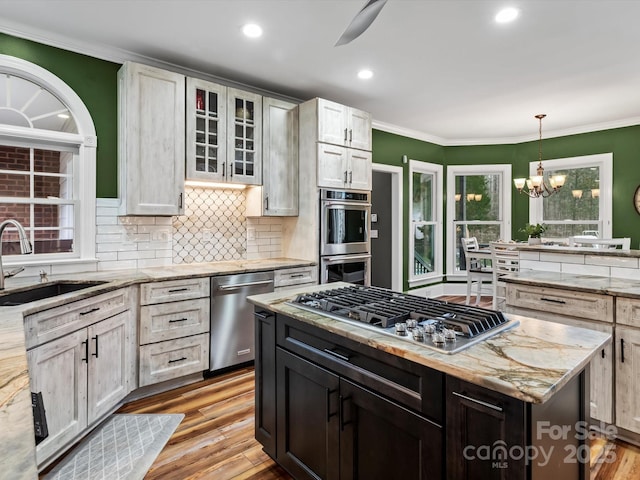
[(207, 235), (251, 233)]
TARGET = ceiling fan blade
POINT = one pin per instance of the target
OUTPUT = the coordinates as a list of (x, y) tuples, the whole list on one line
[(361, 21)]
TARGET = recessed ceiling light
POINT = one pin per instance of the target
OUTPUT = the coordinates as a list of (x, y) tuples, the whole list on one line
[(252, 30), (507, 15), (365, 74)]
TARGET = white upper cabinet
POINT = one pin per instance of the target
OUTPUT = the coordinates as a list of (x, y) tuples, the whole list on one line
[(224, 134), (340, 167), (151, 141), (279, 193), (342, 125), (206, 130), (244, 127)]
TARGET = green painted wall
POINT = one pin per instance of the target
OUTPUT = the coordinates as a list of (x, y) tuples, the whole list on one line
[(95, 82), (388, 149)]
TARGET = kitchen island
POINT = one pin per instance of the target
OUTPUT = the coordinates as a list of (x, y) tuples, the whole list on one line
[(334, 399)]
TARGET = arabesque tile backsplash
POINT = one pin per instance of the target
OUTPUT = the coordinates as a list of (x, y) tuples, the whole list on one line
[(213, 228)]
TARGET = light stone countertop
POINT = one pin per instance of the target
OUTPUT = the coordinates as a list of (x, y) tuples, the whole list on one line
[(621, 287), (17, 445), (612, 252), (529, 362)]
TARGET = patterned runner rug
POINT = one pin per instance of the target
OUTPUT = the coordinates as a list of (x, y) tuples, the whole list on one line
[(122, 448)]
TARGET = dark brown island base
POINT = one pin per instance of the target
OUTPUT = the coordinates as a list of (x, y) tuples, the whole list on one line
[(335, 400)]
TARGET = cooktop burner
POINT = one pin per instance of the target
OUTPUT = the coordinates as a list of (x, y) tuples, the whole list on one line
[(446, 327)]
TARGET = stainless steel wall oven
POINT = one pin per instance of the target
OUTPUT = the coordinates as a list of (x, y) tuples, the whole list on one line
[(345, 218)]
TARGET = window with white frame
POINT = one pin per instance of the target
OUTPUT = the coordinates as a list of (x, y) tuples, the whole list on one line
[(425, 236), (479, 205), (583, 205), (47, 165)]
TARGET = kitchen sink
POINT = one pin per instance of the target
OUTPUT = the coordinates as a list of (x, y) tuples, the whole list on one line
[(40, 292)]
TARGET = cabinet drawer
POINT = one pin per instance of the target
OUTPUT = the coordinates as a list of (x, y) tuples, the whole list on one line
[(173, 320), (174, 290), (628, 311), (415, 386), (173, 359), (295, 276), (50, 324), (588, 306)]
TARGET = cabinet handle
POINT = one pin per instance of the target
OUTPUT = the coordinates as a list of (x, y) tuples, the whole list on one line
[(345, 134), (180, 200), (176, 290), (224, 165), (178, 320), (350, 135), (296, 275), (341, 412), (350, 177), (177, 360), (95, 309), (479, 402), (602, 353), (86, 350), (622, 350), (329, 414), (346, 358), (345, 176), (96, 339), (262, 315), (553, 300), (266, 202)]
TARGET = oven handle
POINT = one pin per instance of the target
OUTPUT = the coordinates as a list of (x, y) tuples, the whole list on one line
[(333, 203), (343, 258)]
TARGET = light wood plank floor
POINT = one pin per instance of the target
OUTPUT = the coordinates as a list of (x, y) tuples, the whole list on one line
[(216, 438)]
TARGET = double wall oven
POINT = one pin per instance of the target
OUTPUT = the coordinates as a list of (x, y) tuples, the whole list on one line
[(345, 254)]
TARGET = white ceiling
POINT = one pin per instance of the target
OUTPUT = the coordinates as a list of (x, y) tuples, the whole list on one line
[(443, 68)]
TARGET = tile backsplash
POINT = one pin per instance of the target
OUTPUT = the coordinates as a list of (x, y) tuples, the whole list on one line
[(213, 228)]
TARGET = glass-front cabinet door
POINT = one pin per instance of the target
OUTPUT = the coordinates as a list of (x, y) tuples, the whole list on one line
[(244, 137), (206, 131)]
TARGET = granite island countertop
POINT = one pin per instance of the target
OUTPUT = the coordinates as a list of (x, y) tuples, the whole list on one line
[(622, 287), (17, 446), (529, 362)]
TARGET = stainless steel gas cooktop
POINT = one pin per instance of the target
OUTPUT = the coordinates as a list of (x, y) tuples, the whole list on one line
[(436, 324)]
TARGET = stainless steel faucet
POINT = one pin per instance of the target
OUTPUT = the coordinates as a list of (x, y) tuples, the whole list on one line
[(25, 247)]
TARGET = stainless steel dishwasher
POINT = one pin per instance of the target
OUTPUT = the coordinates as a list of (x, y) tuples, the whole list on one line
[(232, 340)]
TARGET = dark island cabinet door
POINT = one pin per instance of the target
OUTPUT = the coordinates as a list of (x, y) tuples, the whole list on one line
[(484, 432), (308, 443), (265, 352), (382, 440)]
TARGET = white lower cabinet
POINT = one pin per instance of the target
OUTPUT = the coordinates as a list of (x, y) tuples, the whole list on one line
[(295, 277), (574, 308), (174, 329), (82, 376), (627, 346)]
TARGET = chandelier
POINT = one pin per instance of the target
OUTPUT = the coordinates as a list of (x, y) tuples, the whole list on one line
[(536, 186)]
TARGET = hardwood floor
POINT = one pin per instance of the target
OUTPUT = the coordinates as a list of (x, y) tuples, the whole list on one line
[(216, 438)]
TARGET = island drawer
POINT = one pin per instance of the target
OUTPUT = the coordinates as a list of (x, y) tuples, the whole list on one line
[(571, 303), (628, 311), (56, 322), (173, 320), (173, 359), (415, 386), (174, 290)]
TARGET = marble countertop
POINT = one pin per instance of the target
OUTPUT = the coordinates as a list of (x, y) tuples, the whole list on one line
[(612, 252), (621, 287), (529, 362), (17, 446)]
